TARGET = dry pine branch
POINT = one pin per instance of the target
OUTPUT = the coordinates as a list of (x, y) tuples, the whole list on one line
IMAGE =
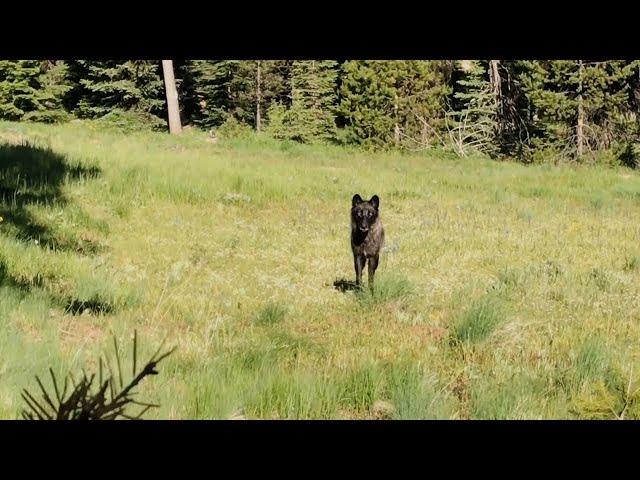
[(104, 399)]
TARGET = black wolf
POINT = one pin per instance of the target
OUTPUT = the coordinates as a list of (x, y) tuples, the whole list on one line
[(367, 235)]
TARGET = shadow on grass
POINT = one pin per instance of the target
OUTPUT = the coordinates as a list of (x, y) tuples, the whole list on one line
[(95, 306), (345, 285), (75, 306), (8, 280), (32, 175)]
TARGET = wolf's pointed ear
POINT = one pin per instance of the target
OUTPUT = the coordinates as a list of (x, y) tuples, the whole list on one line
[(356, 200), (375, 201)]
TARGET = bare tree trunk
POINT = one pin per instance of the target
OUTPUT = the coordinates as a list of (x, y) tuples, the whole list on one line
[(396, 130), (580, 126), (424, 133), (258, 100), (496, 89), (172, 97)]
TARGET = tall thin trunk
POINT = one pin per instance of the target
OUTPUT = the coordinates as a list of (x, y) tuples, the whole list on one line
[(258, 100), (580, 126), (494, 77), (172, 97), (496, 89), (424, 133), (396, 129), (292, 95)]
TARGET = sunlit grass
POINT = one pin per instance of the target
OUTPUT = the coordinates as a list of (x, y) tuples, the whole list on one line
[(504, 291)]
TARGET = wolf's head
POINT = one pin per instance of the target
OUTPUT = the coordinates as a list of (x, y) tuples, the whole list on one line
[(364, 213)]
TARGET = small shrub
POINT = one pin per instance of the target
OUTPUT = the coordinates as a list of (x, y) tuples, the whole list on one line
[(129, 121), (231, 129), (276, 126), (629, 156)]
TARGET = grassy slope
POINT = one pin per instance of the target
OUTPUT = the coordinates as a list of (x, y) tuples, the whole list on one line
[(505, 291)]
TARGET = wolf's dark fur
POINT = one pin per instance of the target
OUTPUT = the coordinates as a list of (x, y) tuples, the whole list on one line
[(367, 235)]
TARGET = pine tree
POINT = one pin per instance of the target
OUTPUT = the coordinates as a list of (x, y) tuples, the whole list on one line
[(578, 106), (312, 114), (150, 85), (53, 86), (605, 87), (214, 91), (102, 87), (206, 91), (18, 88), (420, 92), (475, 117), (255, 85), (399, 103), (628, 120), (32, 90), (367, 100)]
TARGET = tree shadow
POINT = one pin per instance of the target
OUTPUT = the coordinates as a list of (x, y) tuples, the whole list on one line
[(7, 280), (69, 304), (35, 176), (32, 175)]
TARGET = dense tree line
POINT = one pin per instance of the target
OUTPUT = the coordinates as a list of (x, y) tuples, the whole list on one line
[(573, 109)]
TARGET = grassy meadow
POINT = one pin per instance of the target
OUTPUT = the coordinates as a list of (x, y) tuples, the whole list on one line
[(505, 291)]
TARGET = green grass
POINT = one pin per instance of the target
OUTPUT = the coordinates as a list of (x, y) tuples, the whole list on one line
[(505, 290), (478, 321), (270, 314), (390, 288)]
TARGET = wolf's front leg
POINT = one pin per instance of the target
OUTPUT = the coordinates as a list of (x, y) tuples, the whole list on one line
[(359, 262), (373, 264)]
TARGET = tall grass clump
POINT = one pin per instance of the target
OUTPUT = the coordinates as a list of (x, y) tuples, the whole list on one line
[(513, 398), (387, 288), (478, 321), (591, 361), (270, 314), (417, 396)]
